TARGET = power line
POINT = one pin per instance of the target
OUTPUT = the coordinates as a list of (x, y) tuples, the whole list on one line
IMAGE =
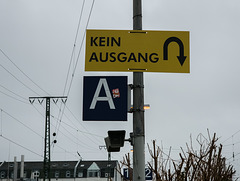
[(83, 40), (13, 97), (87, 132), (74, 46), (231, 136), (21, 70), (70, 133), (20, 146), (66, 136), (83, 144), (66, 151), (81, 45), (69, 67), (76, 61), (18, 79), (25, 100), (232, 144), (82, 131), (21, 123), (14, 93)]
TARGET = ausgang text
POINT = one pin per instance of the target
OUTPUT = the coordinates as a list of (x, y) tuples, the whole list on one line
[(124, 57)]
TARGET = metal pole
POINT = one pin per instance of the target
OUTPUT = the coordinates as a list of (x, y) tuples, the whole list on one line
[(47, 158), (138, 110), (22, 168), (109, 166), (15, 169)]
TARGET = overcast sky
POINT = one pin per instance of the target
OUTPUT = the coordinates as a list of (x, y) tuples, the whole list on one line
[(37, 42)]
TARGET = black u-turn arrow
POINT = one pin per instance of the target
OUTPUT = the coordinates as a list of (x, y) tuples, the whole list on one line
[(181, 57)]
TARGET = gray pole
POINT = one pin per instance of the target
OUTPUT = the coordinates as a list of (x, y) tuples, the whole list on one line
[(138, 111), (15, 169), (22, 168)]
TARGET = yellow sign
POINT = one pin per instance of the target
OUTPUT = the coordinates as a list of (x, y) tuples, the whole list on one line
[(137, 51)]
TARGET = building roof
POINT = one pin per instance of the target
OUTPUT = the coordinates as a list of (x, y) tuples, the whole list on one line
[(36, 165)]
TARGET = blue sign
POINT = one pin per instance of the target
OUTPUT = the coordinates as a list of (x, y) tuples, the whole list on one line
[(148, 174), (105, 98)]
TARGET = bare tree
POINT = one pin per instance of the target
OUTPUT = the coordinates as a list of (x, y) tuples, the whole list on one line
[(207, 164)]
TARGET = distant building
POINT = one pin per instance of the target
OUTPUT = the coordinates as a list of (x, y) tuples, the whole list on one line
[(62, 171)]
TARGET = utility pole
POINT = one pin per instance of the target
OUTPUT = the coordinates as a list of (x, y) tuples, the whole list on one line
[(138, 107), (47, 158), (109, 162)]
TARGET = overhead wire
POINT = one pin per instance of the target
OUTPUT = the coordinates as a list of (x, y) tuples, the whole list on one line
[(68, 70), (2, 111), (73, 136), (232, 143), (13, 97), (18, 79), (72, 54), (21, 123), (21, 146), (80, 49), (23, 99), (231, 136), (81, 131), (22, 71), (1, 135), (67, 135), (71, 59), (13, 93), (87, 132), (17, 94), (74, 46), (66, 151)]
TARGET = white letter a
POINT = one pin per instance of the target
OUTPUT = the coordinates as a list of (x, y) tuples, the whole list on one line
[(102, 82)]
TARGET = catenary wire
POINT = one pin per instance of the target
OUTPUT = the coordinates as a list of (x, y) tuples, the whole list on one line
[(21, 146), (28, 76), (21, 123), (72, 56), (81, 126), (21, 70), (18, 79), (231, 136), (74, 46), (81, 131), (74, 137), (15, 93), (69, 133), (77, 61), (66, 136), (13, 97)]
